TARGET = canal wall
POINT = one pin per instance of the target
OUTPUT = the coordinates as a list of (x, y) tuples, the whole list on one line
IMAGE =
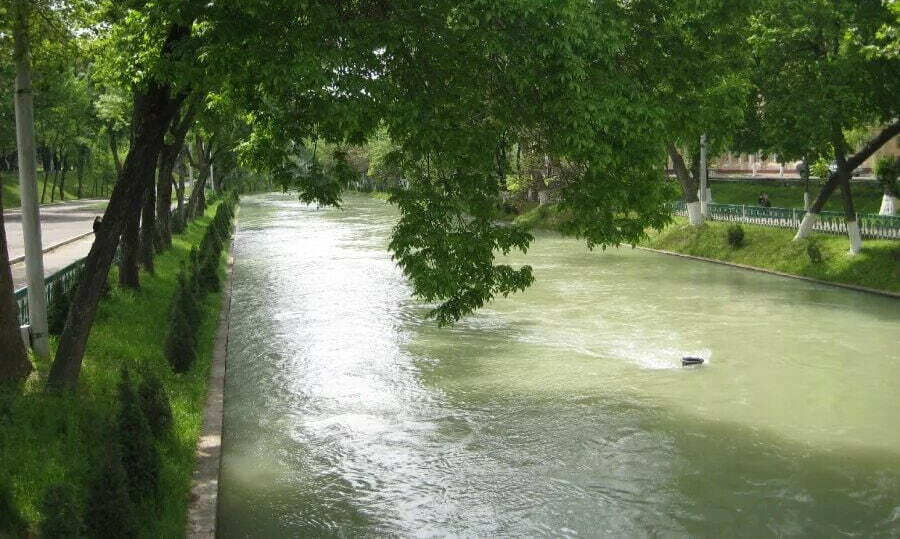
[(204, 494)]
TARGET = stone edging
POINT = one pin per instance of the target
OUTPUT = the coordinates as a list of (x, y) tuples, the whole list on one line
[(857, 288), (204, 494)]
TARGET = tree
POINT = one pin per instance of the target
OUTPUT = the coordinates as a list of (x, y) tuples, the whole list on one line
[(14, 364), (818, 78)]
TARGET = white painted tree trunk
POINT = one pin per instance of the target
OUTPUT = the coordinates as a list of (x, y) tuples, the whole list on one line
[(212, 179), (694, 215), (806, 226), (888, 205), (855, 237), (806, 201), (31, 216)]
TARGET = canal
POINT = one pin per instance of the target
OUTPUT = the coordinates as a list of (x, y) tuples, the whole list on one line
[(560, 411)]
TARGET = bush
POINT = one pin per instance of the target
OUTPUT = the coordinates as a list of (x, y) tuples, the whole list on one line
[(140, 458), (59, 309), (62, 519), (735, 235), (186, 294), (155, 404), (209, 275), (109, 510), (11, 522), (814, 253), (179, 346)]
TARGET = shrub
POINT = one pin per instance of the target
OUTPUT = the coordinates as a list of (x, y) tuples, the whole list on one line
[(62, 519), (155, 404), (140, 458), (109, 510), (179, 346), (11, 522), (59, 309), (209, 275), (186, 294), (814, 253), (735, 235)]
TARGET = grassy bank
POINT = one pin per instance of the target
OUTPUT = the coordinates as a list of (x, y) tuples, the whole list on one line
[(48, 438), (878, 266), (866, 197)]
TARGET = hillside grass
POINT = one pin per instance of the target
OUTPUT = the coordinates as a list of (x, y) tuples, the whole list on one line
[(12, 198), (48, 438), (877, 266)]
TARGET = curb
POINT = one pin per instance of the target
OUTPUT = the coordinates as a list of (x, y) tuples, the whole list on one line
[(203, 496), (885, 293), (53, 247)]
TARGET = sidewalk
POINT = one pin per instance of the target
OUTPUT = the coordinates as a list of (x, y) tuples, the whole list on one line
[(59, 223)]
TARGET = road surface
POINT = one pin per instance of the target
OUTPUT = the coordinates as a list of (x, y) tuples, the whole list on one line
[(59, 223)]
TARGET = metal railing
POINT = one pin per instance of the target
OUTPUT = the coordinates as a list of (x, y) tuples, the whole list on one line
[(67, 277), (870, 225)]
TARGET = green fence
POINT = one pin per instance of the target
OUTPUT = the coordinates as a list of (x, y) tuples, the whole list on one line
[(870, 225)]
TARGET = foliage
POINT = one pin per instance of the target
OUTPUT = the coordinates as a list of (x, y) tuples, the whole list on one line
[(11, 522), (735, 236), (109, 506), (59, 309), (140, 457), (179, 344), (819, 169), (815, 78), (813, 252), (62, 516), (155, 403), (887, 171)]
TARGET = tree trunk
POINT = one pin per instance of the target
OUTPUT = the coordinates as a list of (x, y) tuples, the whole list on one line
[(842, 176), (197, 201), (154, 109), (167, 159), (148, 228), (688, 185), (47, 164), (114, 148), (63, 168), (14, 364), (129, 271)]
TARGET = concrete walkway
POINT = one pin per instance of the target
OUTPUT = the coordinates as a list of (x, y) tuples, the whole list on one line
[(60, 223)]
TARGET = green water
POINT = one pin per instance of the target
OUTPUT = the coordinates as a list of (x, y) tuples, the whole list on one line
[(561, 411)]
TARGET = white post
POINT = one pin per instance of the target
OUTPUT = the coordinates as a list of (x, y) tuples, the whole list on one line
[(31, 216), (703, 193), (212, 179)]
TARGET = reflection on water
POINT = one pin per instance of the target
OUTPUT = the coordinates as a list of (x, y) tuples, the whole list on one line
[(561, 411)]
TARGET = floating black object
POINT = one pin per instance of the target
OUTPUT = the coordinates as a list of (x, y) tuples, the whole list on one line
[(688, 360)]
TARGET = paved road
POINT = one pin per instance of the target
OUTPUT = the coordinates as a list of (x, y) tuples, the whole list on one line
[(59, 222)]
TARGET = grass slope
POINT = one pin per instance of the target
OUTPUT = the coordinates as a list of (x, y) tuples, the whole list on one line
[(48, 438), (878, 266), (11, 198)]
